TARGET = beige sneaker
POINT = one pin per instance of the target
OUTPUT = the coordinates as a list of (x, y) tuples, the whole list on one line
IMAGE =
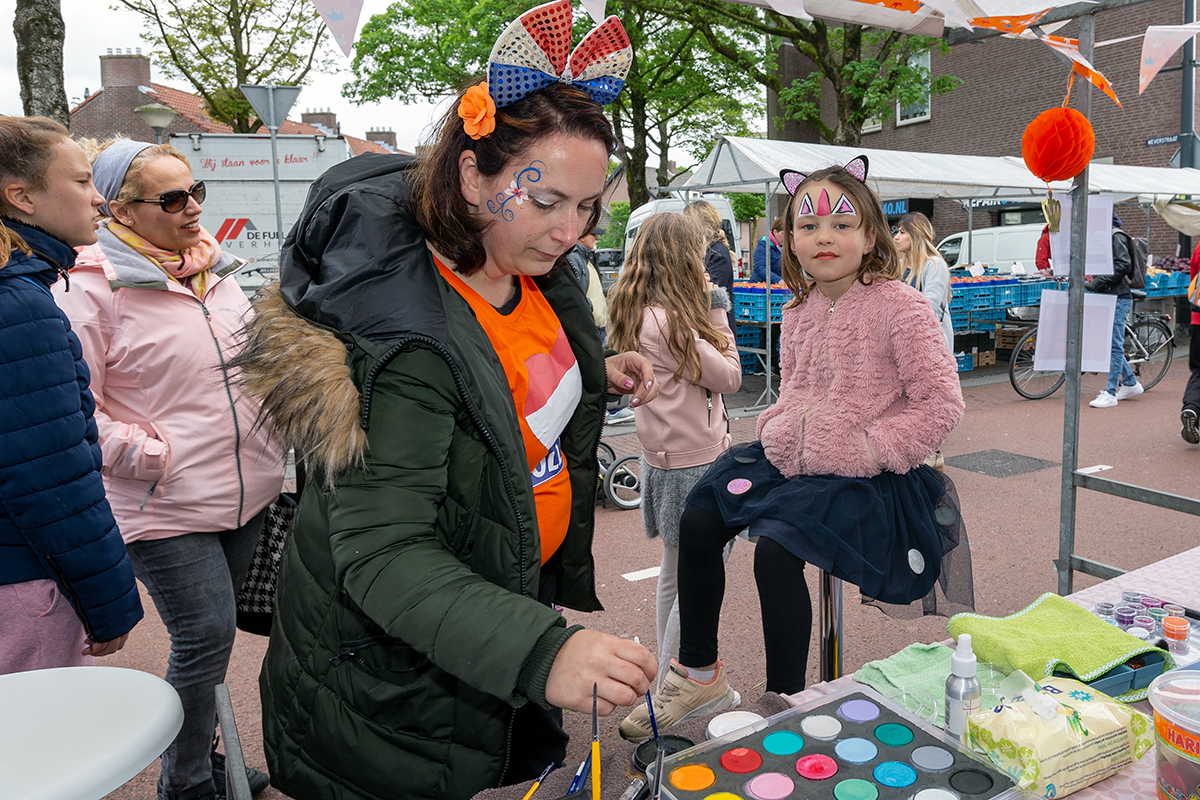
[(680, 698)]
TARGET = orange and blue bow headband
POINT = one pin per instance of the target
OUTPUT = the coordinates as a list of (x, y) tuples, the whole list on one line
[(792, 179), (532, 53)]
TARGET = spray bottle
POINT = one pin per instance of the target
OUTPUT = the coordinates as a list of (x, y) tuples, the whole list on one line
[(962, 688)]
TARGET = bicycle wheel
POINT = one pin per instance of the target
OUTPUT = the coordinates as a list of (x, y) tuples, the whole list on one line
[(605, 455), (1024, 378), (623, 482), (1149, 350)]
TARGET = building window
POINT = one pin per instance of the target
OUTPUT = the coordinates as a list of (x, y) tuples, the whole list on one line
[(920, 110), (872, 125)]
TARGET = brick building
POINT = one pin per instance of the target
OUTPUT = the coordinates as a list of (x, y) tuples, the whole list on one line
[(126, 84), (1005, 84)]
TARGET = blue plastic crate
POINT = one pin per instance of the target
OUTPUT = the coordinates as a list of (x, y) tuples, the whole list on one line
[(751, 304), (958, 301), (749, 336), (749, 363), (960, 321), (1005, 296), (966, 361), (1179, 280)]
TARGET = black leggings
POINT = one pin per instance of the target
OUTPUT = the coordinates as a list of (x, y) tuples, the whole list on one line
[(782, 595)]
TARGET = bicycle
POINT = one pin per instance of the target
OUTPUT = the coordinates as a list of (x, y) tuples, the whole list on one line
[(1149, 345)]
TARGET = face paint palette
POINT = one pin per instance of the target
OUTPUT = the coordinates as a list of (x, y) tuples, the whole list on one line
[(851, 745)]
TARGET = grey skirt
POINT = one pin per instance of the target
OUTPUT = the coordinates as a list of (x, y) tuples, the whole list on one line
[(664, 494)]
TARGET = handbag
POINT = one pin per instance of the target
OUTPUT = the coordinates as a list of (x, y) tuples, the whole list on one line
[(256, 599)]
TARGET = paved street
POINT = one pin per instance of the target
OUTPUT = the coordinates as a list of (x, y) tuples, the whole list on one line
[(1012, 520)]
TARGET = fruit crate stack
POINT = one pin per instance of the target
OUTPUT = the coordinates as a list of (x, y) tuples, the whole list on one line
[(750, 301)]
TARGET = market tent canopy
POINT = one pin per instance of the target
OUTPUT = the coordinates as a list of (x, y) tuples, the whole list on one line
[(740, 164)]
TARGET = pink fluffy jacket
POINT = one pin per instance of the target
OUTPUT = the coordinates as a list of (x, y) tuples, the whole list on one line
[(867, 384)]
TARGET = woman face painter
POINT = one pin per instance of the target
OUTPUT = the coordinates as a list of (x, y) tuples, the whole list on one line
[(435, 365)]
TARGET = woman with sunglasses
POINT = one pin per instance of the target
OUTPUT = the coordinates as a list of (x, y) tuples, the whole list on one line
[(189, 467)]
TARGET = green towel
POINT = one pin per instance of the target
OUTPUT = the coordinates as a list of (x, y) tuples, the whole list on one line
[(1054, 633), (921, 668)]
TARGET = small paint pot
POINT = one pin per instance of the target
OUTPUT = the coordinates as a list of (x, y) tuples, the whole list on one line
[(1173, 610), (1144, 621), (1132, 597), (821, 726), (729, 722), (1104, 609), (935, 794), (1151, 602), (1158, 615), (1175, 631), (1124, 616), (1140, 633), (645, 753)]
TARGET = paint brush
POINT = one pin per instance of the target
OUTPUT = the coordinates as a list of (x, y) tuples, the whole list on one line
[(538, 782), (595, 747), (656, 783), (653, 721), (577, 781)]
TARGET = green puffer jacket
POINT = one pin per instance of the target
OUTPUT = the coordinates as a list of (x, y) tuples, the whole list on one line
[(408, 627)]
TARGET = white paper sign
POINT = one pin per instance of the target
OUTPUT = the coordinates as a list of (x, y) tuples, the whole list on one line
[(1098, 313), (1018, 268), (975, 269), (1099, 237)]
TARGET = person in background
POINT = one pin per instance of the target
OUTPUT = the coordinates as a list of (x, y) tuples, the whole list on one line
[(449, 400), (922, 267), (67, 592), (768, 245), (1190, 415), (718, 262), (1122, 384), (582, 260), (666, 308), (189, 466)]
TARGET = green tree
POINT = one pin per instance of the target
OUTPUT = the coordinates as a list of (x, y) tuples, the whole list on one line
[(217, 45), (614, 236), (748, 208), (677, 96), (869, 69)]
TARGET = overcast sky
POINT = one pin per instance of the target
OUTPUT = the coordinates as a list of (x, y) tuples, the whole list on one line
[(91, 30)]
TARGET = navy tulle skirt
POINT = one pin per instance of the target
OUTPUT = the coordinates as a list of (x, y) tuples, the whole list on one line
[(896, 537)]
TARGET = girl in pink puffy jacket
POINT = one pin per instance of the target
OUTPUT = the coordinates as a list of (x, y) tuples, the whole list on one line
[(837, 478)]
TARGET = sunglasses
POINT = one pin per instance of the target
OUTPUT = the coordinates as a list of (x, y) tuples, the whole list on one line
[(176, 200)]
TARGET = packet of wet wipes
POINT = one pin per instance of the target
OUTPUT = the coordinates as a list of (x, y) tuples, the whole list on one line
[(1058, 735)]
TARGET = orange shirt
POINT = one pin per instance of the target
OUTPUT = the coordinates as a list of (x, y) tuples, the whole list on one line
[(546, 387)]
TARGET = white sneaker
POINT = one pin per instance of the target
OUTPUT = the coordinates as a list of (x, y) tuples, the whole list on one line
[(1126, 392), (620, 416), (1104, 400)]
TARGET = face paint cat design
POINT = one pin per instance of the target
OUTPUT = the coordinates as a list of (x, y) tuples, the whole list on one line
[(843, 206)]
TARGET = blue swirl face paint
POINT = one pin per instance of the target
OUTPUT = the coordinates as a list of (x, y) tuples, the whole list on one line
[(515, 191)]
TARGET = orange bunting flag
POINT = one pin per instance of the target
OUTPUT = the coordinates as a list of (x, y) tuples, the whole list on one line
[(1009, 24), (911, 6), (1081, 66)]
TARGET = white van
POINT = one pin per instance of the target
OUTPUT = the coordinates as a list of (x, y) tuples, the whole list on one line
[(721, 204), (994, 247)]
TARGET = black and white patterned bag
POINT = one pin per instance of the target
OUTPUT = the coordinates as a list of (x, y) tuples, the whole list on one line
[(256, 600)]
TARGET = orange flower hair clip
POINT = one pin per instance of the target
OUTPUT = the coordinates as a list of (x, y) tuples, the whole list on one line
[(478, 111)]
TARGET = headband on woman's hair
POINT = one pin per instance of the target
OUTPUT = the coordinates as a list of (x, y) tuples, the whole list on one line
[(792, 179), (532, 54), (109, 168)]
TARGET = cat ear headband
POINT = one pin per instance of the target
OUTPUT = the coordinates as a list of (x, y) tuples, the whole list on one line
[(533, 53), (792, 179)]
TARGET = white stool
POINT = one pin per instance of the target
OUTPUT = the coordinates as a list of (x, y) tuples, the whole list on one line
[(78, 733)]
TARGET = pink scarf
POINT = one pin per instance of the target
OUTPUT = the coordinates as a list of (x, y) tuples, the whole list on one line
[(188, 267)]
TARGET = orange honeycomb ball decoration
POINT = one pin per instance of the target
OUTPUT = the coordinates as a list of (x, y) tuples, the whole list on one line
[(1058, 144)]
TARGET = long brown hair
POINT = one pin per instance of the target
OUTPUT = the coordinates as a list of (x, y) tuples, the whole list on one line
[(450, 224), (26, 152), (709, 218), (920, 250), (665, 267), (881, 262)]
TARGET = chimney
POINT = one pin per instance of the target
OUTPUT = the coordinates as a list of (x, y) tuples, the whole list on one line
[(321, 117), (385, 137), (124, 69)]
